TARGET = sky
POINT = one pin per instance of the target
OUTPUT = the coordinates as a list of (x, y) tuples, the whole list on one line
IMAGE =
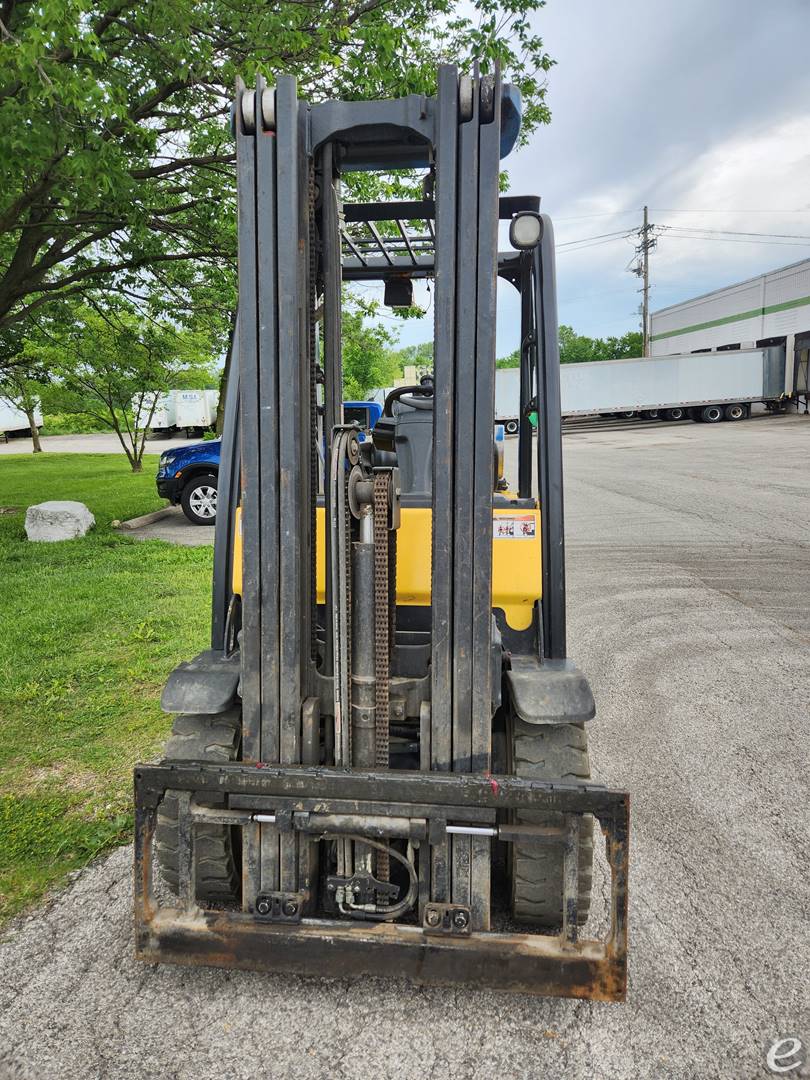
[(701, 110)]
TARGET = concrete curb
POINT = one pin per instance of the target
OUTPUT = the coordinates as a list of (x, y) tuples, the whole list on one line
[(146, 519)]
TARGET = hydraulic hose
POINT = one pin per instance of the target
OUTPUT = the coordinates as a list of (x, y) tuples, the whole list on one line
[(405, 904)]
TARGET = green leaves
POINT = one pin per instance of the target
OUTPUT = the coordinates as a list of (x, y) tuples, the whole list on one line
[(116, 162), (577, 348)]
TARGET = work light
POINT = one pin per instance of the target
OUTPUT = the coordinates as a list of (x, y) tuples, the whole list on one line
[(525, 230)]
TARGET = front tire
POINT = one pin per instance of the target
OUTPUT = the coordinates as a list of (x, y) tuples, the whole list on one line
[(548, 752), (202, 738), (199, 500)]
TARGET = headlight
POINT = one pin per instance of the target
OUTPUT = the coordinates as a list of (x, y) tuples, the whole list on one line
[(167, 458)]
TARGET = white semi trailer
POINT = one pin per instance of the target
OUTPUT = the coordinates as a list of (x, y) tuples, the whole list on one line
[(176, 410), (196, 409), (13, 421), (164, 416), (708, 387)]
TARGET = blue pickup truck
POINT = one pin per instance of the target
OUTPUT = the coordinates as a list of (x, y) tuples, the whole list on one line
[(188, 475)]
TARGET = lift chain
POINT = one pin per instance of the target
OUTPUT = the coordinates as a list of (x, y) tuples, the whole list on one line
[(382, 650)]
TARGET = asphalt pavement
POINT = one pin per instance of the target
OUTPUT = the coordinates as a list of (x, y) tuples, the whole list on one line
[(689, 577), (175, 528), (102, 443)]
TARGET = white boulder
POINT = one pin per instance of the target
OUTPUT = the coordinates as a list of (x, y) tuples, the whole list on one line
[(58, 520)]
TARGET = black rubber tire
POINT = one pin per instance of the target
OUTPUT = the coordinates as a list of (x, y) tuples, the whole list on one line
[(208, 480), (649, 414), (511, 427), (711, 414), (674, 414), (735, 412), (548, 752), (202, 738)]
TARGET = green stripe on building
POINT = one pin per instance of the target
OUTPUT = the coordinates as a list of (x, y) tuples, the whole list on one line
[(770, 310)]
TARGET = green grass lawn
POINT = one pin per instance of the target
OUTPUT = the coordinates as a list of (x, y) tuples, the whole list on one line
[(89, 630)]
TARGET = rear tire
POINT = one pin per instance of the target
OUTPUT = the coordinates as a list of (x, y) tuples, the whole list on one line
[(711, 414), (511, 427), (202, 738), (674, 414), (735, 412), (548, 752)]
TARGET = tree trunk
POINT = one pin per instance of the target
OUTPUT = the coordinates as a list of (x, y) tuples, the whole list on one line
[(137, 466), (223, 382), (32, 423)]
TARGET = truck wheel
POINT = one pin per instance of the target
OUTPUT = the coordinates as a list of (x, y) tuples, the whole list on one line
[(734, 412), (673, 414), (711, 414), (202, 738), (629, 415), (199, 500), (649, 414), (548, 752), (511, 427)]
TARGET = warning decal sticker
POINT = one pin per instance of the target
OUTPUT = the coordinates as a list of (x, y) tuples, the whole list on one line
[(522, 527)]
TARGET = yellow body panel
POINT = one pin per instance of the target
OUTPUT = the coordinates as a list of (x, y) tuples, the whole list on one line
[(515, 560)]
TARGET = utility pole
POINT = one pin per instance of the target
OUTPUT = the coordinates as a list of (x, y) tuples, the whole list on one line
[(641, 268), (645, 307)]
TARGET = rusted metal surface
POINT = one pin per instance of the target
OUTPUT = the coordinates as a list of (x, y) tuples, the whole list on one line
[(526, 963)]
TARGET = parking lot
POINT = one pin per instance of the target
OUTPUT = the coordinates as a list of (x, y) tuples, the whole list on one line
[(689, 575)]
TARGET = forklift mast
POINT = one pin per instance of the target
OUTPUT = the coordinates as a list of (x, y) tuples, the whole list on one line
[(371, 788)]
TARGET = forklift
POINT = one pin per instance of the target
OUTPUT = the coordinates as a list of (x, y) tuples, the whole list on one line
[(380, 766)]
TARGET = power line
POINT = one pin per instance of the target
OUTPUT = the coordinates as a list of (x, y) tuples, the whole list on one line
[(735, 232), (599, 236), (716, 210), (596, 243)]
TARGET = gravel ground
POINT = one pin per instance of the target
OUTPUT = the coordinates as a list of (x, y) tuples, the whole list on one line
[(689, 572)]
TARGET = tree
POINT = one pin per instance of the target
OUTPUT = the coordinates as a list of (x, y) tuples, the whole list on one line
[(578, 348), (116, 161), (510, 361), (368, 362), (111, 364)]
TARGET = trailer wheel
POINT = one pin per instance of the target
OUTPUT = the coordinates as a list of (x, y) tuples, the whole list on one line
[(511, 427), (711, 414), (734, 412), (202, 738), (548, 752), (649, 414), (673, 414)]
